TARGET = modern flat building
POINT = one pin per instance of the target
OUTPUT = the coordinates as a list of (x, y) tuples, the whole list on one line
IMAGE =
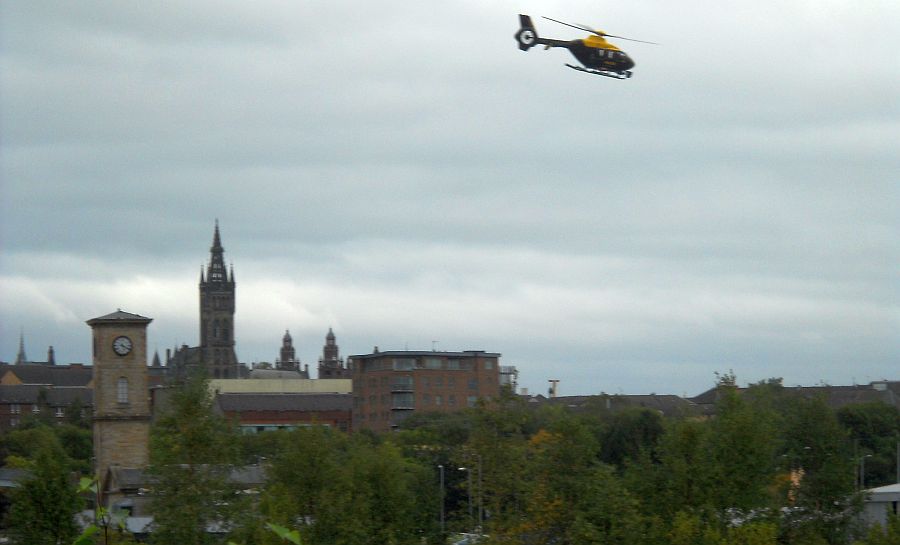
[(390, 386)]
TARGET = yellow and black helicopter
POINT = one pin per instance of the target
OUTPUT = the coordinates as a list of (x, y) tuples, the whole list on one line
[(597, 55)]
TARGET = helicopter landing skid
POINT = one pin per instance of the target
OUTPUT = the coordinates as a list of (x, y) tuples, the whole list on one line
[(615, 75)]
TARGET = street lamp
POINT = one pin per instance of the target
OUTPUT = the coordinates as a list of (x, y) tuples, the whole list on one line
[(469, 473), (441, 468), (862, 471)]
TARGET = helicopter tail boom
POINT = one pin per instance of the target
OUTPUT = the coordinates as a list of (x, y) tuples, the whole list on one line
[(527, 34)]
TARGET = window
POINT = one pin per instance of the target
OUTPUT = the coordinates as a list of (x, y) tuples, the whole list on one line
[(424, 382), (15, 408), (471, 400), (473, 383), (451, 382), (452, 364), (426, 399), (488, 365), (432, 363), (451, 400), (403, 401), (35, 409), (439, 382), (438, 401), (404, 364), (60, 412), (13, 422), (122, 390)]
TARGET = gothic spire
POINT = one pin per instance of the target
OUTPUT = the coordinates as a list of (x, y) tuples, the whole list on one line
[(217, 242), (216, 271), (21, 357)]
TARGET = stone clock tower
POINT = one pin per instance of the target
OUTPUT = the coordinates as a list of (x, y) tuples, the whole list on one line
[(121, 397)]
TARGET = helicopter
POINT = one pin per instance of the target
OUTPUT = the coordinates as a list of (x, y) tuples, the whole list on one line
[(596, 55)]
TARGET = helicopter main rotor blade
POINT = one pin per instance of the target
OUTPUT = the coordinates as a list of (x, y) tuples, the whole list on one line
[(586, 29), (629, 39), (598, 32)]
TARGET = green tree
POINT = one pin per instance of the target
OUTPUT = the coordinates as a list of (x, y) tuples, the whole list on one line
[(820, 449), (22, 442), (44, 505), (875, 429), (192, 454), (341, 489), (629, 434), (743, 442)]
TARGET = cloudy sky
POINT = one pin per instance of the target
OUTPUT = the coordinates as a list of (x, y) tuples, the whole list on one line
[(401, 172)]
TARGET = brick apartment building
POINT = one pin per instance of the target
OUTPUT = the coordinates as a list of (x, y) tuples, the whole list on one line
[(389, 386)]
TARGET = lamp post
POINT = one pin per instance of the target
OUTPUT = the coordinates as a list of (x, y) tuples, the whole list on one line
[(469, 473), (441, 468), (862, 471)]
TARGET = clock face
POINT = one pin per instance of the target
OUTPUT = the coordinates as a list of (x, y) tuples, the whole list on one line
[(122, 345)]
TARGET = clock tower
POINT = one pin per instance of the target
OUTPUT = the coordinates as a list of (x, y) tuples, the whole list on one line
[(121, 397)]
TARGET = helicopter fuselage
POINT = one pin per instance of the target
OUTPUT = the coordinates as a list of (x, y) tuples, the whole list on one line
[(595, 53), (609, 58)]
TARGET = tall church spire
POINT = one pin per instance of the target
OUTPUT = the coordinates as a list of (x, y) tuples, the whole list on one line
[(21, 357), (217, 298), (216, 271)]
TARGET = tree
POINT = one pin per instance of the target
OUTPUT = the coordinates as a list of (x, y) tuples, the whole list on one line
[(820, 448), (192, 454), (44, 505), (742, 444), (345, 490), (875, 428), (630, 433)]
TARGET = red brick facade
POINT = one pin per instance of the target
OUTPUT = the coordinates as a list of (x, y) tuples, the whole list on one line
[(389, 386)]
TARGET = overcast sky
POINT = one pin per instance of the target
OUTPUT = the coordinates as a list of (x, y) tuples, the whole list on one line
[(402, 173)]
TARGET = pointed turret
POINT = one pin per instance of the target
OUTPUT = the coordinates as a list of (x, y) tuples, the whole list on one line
[(156, 362), (288, 355), (330, 364), (51, 356)]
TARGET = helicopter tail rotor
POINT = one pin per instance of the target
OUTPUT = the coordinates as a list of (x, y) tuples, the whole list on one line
[(527, 34)]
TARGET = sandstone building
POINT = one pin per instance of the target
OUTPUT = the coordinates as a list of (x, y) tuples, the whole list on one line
[(121, 419)]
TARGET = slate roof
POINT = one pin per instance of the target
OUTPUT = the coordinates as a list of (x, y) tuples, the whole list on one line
[(241, 402), (132, 478), (55, 375), (11, 477), (426, 353), (120, 316), (669, 405), (835, 396), (55, 397)]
